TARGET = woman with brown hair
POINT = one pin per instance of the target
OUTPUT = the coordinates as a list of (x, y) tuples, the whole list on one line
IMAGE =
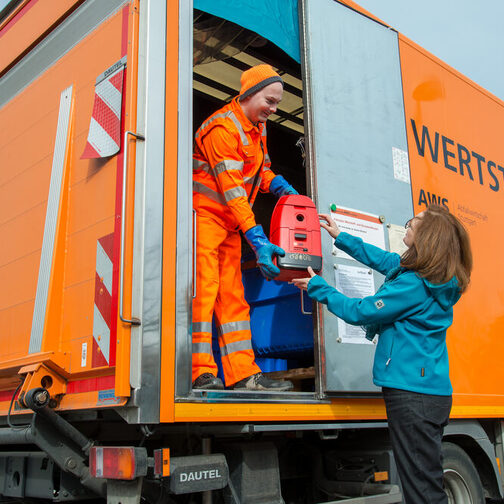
[(410, 313)]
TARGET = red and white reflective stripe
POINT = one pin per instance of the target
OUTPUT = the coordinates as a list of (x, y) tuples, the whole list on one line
[(104, 137), (103, 299)]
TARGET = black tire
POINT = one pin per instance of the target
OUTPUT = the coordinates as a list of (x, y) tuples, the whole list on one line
[(461, 480)]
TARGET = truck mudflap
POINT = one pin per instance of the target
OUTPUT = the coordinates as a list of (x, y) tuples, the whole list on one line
[(198, 473)]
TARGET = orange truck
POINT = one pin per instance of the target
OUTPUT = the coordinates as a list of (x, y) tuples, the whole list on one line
[(99, 101)]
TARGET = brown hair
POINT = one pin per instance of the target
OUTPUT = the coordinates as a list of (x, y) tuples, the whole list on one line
[(441, 248)]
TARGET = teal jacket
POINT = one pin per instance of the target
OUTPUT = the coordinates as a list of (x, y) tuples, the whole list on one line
[(411, 316)]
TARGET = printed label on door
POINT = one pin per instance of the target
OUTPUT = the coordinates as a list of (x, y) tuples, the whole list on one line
[(84, 355)]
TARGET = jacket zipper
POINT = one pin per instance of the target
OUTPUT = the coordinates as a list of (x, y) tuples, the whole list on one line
[(390, 354)]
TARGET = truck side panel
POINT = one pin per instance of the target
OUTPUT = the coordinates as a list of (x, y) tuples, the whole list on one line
[(457, 160), (80, 317)]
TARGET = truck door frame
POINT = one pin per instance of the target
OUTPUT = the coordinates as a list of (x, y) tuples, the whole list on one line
[(354, 124), (185, 215)]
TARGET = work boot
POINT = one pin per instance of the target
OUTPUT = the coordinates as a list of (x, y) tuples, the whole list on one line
[(260, 382), (207, 381)]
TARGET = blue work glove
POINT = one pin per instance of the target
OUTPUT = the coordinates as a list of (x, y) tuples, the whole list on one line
[(280, 187), (264, 251)]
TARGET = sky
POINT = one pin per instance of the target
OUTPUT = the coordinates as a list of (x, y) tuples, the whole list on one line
[(466, 34)]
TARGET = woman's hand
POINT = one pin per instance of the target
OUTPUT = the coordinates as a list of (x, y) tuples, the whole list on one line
[(302, 283), (331, 227)]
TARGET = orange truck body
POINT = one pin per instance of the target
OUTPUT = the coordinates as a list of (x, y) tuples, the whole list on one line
[(456, 158), (87, 207)]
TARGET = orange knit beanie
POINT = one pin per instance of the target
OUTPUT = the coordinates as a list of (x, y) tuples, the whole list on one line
[(257, 77)]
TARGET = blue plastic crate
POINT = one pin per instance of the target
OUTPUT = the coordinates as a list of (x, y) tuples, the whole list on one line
[(279, 328), (269, 365)]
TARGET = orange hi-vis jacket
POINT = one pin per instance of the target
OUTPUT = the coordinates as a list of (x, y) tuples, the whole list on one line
[(230, 165)]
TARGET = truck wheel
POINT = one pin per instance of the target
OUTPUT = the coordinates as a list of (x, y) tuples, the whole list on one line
[(461, 480)]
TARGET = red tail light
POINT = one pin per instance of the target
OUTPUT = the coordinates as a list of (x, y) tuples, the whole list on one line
[(117, 462)]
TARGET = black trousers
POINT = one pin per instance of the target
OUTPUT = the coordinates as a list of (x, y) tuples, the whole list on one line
[(416, 423)]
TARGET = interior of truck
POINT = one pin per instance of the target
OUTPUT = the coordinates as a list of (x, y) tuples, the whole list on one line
[(282, 329)]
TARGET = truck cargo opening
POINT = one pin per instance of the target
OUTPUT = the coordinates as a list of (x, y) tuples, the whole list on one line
[(282, 329)]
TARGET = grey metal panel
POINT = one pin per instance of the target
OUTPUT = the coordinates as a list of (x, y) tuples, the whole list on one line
[(39, 476), (184, 208), (139, 215), (250, 396), (39, 310), (355, 117), (311, 183), (314, 427), (148, 260), (79, 24), (15, 479)]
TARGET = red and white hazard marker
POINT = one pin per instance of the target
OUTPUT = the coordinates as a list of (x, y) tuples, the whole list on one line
[(102, 318), (104, 137)]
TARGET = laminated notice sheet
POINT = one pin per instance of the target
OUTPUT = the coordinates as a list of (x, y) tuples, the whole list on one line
[(353, 282), (366, 226)]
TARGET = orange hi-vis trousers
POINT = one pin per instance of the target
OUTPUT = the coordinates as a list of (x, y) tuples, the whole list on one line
[(219, 290)]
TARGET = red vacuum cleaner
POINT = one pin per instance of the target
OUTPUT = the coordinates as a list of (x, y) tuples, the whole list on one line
[(295, 227)]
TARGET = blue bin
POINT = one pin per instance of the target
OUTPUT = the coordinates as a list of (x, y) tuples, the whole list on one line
[(268, 365), (279, 328)]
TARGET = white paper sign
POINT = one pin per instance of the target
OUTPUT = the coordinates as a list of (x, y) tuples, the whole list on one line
[(401, 165), (366, 226), (353, 282)]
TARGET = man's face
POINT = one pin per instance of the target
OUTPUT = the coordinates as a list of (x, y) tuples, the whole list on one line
[(260, 105)]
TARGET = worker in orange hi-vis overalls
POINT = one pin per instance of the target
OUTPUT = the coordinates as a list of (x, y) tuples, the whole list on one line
[(230, 165)]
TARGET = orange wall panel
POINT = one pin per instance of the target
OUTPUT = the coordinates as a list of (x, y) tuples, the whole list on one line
[(464, 123), (29, 241), (19, 133), (30, 183), (26, 154), (19, 281), (81, 256), (93, 199), (16, 321), (78, 306)]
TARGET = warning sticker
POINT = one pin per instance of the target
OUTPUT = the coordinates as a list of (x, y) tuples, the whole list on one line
[(107, 397), (84, 355)]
